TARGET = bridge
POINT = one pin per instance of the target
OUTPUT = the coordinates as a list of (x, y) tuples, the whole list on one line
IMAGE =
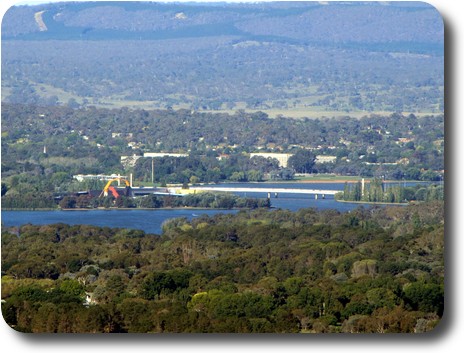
[(141, 191), (274, 191)]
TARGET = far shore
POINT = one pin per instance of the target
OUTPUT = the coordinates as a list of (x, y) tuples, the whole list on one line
[(375, 203), (130, 208), (338, 180), (328, 180)]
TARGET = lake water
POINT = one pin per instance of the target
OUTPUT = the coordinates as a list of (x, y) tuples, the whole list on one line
[(150, 221)]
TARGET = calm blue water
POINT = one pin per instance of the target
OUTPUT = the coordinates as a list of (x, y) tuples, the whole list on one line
[(150, 221)]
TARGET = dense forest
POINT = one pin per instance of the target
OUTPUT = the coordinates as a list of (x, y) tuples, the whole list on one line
[(274, 57), (370, 270)]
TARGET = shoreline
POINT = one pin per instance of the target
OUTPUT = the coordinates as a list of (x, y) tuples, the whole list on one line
[(132, 208), (375, 203), (367, 181), (317, 180)]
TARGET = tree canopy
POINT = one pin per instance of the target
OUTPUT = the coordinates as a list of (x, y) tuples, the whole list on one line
[(302, 161), (371, 270)]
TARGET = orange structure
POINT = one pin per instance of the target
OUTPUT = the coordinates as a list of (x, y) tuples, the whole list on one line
[(112, 189)]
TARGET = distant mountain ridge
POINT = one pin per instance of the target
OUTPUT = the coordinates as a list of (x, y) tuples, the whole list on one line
[(308, 57), (306, 22)]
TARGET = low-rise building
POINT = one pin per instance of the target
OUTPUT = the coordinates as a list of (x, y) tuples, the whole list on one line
[(282, 158), (163, 154), (82, 177), (130, 161), (326, 159)]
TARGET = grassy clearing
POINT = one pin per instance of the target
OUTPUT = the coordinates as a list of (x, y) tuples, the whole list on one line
[(330, 178), (300, 107), (6, 91)]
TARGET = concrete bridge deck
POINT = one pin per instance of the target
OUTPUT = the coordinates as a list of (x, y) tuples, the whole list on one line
[(178, 191), (268, 190)]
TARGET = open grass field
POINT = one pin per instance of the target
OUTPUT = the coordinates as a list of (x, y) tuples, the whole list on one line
[(302, 107)]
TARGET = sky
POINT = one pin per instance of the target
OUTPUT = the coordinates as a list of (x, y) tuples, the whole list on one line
[(446, 339)]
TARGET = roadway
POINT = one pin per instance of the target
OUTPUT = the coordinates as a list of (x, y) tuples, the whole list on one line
[(177, 191), (268, 190)]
